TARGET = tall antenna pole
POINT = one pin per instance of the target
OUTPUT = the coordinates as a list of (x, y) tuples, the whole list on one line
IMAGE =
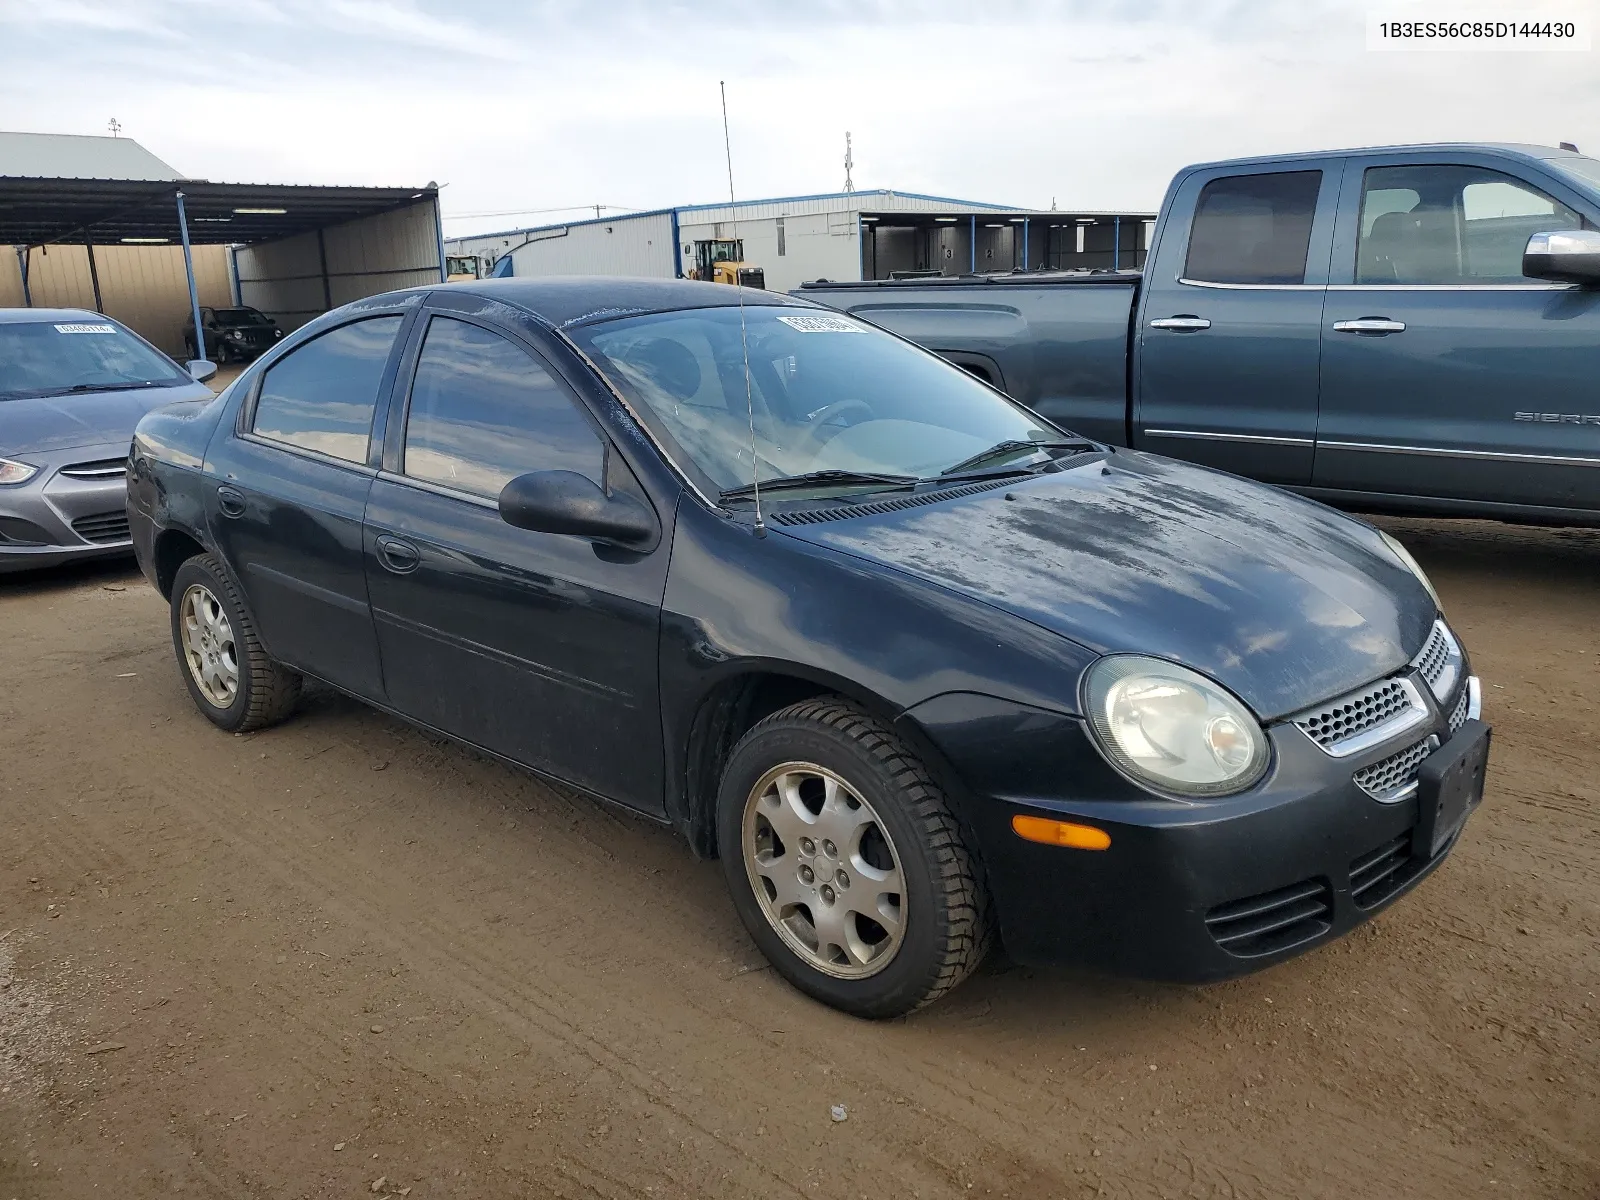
[(849, 162), (744, 337)]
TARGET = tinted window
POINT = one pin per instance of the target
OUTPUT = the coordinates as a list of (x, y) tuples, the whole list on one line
[(322, 395), (1253, 228), (45, 358), (1446, 224), (484, 411)]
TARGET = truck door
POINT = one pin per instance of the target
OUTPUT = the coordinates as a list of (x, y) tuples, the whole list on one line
[(1446, 374), (1226, 339)]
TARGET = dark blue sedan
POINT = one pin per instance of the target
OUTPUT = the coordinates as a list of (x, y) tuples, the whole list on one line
[(916, 664)]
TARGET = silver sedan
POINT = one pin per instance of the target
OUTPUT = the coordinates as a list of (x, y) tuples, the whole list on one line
[(73, 384)]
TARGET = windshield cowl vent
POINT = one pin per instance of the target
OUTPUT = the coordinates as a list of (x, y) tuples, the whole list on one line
[(844, 512)]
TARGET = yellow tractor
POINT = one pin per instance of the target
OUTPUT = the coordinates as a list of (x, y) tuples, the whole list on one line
[(722, 261)]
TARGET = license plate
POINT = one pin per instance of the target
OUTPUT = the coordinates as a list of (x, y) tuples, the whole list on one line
[(1449, 786)]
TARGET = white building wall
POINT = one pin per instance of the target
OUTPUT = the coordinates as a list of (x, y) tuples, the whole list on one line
[(639, 245), (816, 246)]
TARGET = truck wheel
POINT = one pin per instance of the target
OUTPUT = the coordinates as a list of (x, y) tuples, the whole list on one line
[(846, 863), (229, 676)]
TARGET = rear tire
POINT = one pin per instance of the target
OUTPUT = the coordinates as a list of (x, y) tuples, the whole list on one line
[(228, 674), (846, 863)]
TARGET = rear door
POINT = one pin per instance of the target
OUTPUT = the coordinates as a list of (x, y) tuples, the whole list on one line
[(1446, 374), (287, 489), (539, 647), (1228, 330)]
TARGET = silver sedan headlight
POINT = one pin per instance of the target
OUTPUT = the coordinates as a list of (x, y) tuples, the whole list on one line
[(13, 472), (1172, 728)]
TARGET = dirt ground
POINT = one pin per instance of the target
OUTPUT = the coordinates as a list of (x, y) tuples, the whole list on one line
[(340, 958)]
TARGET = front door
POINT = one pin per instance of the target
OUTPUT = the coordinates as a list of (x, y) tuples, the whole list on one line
[(290, 483), (539, 647), (1228, 328), (1446, 374)]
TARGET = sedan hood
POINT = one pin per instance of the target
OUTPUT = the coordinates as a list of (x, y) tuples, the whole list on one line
[(1282, 600), (38, 424)]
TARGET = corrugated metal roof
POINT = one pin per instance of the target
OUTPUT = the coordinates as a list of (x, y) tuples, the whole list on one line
[(876, 200), (74, 156)]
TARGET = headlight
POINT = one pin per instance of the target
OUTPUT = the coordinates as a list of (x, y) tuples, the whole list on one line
[(237, 335), (1411, 565), (13, 472), (1172, 728)]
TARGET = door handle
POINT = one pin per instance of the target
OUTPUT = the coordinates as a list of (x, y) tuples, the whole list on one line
[(230, 501), (1371, 326), (1183, 324), (399, 556)]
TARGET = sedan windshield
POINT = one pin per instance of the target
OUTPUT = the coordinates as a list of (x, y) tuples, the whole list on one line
[(826, 393), (55, 358)]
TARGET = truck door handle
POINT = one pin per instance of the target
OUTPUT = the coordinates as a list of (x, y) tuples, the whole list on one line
[(401, 557), (1371, 326), (231, 502), (1183, 324)]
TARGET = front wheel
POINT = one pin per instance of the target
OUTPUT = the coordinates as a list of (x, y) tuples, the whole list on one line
[(846, 863), (229, 676)]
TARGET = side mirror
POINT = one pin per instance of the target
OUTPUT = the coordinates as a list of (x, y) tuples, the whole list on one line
[(566, 502), (200, 370), (1567, 256)]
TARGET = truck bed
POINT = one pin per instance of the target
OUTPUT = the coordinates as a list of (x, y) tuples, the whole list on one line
[(1057, 341)]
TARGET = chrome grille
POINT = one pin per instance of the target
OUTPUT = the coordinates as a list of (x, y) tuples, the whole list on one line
[(1364, 718), (1439, 661), (1394, 778), (105, 468), (1458, 715)]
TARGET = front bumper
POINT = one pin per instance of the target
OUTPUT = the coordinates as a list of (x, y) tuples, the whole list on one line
[(1187, 892), (74, 508)]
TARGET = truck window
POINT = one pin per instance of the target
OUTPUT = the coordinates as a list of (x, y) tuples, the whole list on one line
[(1443, 224), (1253, 228)]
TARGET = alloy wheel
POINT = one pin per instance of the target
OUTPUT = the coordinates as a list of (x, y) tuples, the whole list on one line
[(824, 870), (208, 645)]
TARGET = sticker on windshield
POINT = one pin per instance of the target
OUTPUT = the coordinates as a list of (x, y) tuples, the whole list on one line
[(81, 328), (821, 324)]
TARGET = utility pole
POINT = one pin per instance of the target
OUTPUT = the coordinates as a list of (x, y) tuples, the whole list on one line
[(849, 163)]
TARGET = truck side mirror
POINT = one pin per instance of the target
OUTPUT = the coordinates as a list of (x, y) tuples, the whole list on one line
[(1566, 256)]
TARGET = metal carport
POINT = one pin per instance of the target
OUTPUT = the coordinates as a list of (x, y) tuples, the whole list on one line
[(299, 249)]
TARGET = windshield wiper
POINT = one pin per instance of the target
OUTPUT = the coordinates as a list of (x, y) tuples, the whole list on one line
[(1014, 446), (99, 387), (783, 483)]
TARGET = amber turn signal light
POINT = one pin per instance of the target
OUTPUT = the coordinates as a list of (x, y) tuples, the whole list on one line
[(1060, 833)]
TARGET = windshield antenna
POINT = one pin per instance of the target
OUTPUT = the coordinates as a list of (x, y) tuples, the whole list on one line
[(744, 337)]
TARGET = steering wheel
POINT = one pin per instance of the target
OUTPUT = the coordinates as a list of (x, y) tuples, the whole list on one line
[(821, 428)]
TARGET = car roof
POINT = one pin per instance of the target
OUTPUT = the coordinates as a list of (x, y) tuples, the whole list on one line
[(19, 316), (1524, 151), (571, 300)]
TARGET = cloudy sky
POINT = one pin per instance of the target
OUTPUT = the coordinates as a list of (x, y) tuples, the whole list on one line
[(545, 103)]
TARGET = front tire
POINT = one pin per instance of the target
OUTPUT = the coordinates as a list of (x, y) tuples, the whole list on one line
[(846, 863), (229, 676)]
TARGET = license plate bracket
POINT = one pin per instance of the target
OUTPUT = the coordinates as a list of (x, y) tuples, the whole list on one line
[(1449, 787)]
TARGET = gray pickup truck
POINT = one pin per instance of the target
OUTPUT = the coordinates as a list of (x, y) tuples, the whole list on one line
[(1406, 329)]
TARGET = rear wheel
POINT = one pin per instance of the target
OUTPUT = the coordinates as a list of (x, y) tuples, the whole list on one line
[(846, 863), (229, 676)]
